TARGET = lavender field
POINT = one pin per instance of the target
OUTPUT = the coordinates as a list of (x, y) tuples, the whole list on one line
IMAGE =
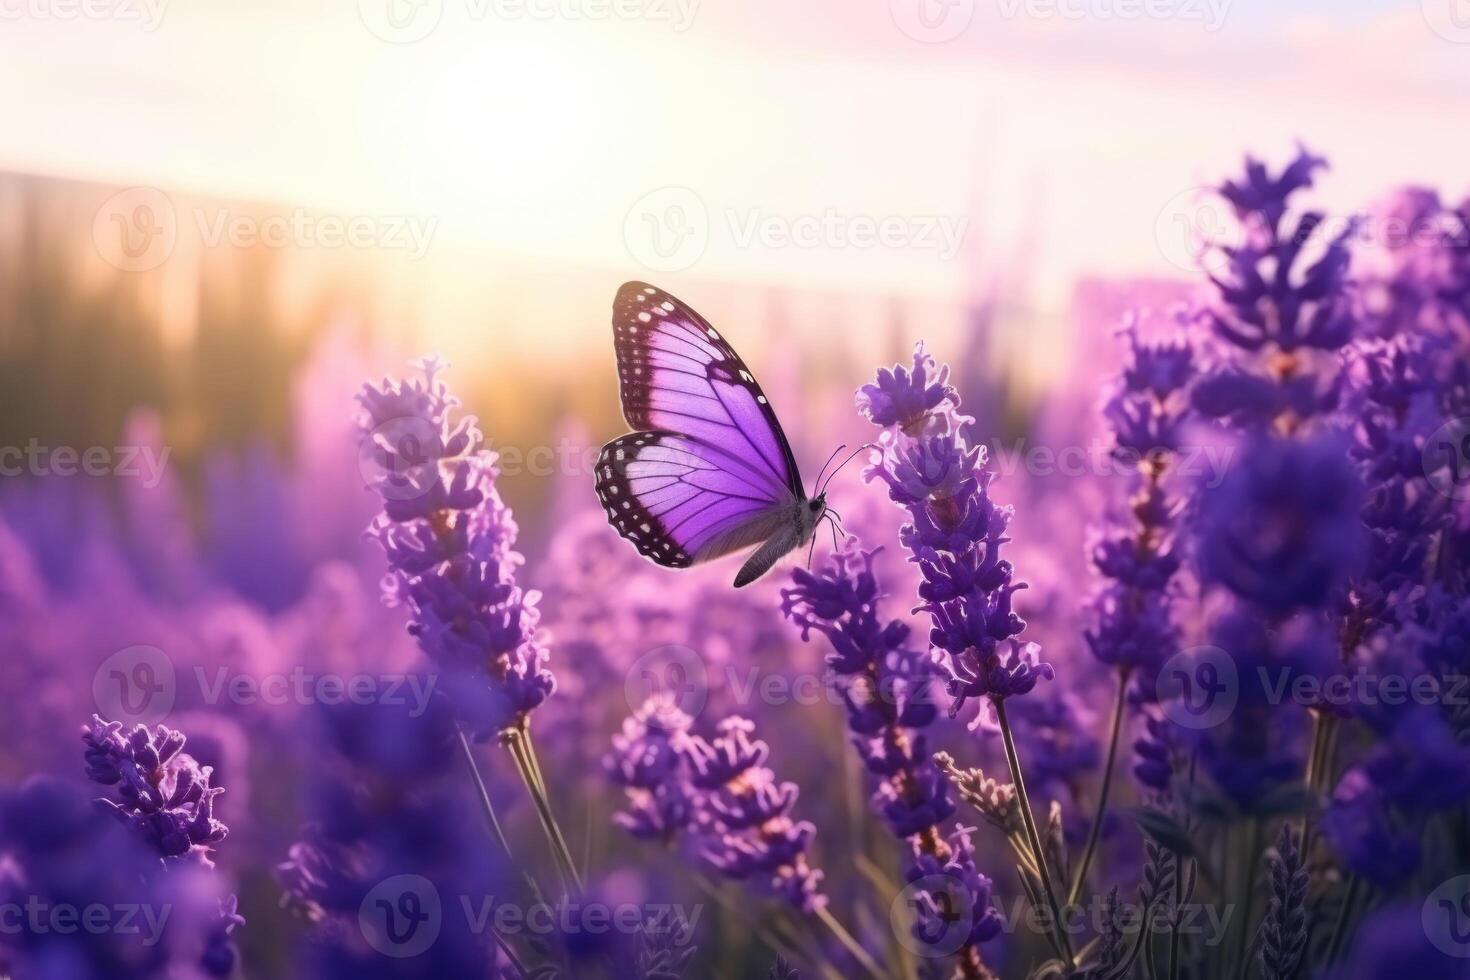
[(1173, 686), (678, 490)]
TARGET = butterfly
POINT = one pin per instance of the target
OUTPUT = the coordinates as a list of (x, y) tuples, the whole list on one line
[(708, 470)]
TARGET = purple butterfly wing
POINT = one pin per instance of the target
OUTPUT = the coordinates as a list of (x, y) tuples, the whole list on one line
[(710, 470)]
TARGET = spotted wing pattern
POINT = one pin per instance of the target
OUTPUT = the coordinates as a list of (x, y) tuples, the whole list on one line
[(709, 470)]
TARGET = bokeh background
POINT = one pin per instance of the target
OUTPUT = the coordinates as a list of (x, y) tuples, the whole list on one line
[(217, 220)]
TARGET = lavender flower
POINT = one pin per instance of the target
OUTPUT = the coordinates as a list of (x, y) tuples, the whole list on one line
[(220, 955), (448, 538), (995, 801), (1368, 838), (1147, 408), (648, 761), (955, 535), (1284, 929), (164, 795), (717, 791), (952, 886), (58, 852), (1264, 298), (1282, 530), (745, 815), (660, 955), (1260, 747), (1273, 315), (1392, 391), (885, 686), (386, 800), (783, 970), (886, 691), (903, 398), (1154, 752)]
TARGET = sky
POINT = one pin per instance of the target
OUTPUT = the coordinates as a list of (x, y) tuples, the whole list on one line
[(861, 146)]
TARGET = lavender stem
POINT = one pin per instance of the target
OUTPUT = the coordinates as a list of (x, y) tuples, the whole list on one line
[(849, 943), (1115, 730), (482, 792), (1033, 838), (516, 739)]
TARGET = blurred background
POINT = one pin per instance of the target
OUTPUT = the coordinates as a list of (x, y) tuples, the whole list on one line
[(195, 194), (217, 220)]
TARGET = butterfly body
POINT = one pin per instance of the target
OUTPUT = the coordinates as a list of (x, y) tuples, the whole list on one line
[(708, 470)]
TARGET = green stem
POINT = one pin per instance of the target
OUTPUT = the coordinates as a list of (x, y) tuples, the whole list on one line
[(763, 932), (1174, 917), (1248, 899), (493, 823), (1033, 838), (517, 739), (489, 808), (1174, 936), (1114, 730), (1343, 911), (1319, 771), (849, 943)]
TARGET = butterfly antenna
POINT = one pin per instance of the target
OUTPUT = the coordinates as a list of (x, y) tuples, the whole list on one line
[(818, 480), (849, 459)]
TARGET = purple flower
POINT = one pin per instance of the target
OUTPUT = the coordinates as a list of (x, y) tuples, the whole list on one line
[(951, 887), (1258, 193), (164, 795), (903, 398), (1392, 390), (58, 852), (956, 534), (1277, 321), (648, 761), (1260, 747), (448, 538), (387, 802), (1154, 751), (220, 955), (719, 792), (1263, 297), (1284, 927), (1282, 530), (1147, 406), (1392, 942), (1134, 629), (745, 815), (1368, 838), (783, 970)]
